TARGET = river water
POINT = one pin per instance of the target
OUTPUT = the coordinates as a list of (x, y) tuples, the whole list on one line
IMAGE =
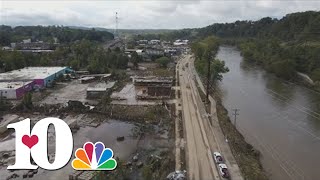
[(279, 118)]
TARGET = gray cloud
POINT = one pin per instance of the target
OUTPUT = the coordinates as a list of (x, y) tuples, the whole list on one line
[(145, 14)]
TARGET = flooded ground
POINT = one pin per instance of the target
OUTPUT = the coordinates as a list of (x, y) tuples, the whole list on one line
[(107, 132), (279, 118), (145, 132)]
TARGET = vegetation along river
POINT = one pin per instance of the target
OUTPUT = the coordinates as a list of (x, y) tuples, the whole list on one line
[(279, 118)]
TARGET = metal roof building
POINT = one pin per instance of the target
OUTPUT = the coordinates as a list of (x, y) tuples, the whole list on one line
[(41, 76), (15, 90)]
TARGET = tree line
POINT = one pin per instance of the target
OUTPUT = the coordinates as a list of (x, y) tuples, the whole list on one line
[(205, 52), (82, 54), (283, 46), (300, 26), (10, 34)]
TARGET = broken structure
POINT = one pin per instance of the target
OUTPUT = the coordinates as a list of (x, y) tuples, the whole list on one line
[(96, 90), (152, 87)]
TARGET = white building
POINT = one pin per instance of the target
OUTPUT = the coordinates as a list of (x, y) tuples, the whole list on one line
[(26, 41), (154, 41), (14, 90), (41, 76), (180, 42)]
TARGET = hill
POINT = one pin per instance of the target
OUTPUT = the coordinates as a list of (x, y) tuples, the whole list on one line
[(10, 34)]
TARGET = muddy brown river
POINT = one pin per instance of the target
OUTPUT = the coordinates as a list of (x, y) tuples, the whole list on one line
[(279, 118)]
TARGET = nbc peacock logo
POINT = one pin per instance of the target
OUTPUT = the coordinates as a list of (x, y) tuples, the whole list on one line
[(94, 157)]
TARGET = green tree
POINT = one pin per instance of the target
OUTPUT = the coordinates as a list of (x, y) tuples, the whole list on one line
[(75, 64), (283, 68), (315, 75), (2, 102), (147, 173), (27, 100), (218, 67), (163, 61), (198, 50), (135, 59)]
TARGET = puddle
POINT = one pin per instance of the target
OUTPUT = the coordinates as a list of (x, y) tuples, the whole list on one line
[(108, 133)]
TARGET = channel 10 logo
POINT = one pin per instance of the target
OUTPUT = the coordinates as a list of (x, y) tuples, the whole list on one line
[(34, 144)]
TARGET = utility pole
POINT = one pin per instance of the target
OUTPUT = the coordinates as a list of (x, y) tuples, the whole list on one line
[(208, 74), (235, 113), (116, 30)]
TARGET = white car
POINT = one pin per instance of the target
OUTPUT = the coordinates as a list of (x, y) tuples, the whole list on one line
[(217, 157), (223, 170)]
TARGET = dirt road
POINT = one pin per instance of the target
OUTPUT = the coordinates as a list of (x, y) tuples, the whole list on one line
[(202, 137), (200, 164)]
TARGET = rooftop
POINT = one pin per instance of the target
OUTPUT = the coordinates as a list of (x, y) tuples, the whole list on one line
[(29, 73), (13, 85)]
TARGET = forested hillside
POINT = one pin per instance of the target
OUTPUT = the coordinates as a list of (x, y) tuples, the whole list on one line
[(284, 47), (10, 34), (292, 27)]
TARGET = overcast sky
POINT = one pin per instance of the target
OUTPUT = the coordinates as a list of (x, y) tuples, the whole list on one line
[(145, 14)]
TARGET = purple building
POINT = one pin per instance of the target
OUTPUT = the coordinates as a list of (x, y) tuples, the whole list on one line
[(41, 76), (15, 90)]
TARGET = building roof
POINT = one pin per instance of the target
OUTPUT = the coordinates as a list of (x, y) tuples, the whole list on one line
[(13, 85), (29, 73), (36, 50)]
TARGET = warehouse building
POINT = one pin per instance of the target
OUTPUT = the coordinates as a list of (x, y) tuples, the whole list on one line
[(40, 76), (15, 90)]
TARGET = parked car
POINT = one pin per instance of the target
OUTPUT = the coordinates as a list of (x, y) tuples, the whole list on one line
[(223, 170), (217, 157)]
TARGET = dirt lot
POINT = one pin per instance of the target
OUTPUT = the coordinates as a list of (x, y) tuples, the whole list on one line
[(66, 91)]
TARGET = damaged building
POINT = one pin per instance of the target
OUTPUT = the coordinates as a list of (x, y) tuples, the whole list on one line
[(153, 87), (97, 90)]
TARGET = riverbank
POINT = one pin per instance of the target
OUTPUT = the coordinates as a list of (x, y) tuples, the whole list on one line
[(279, 118), (246, 156), (282, 60)]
